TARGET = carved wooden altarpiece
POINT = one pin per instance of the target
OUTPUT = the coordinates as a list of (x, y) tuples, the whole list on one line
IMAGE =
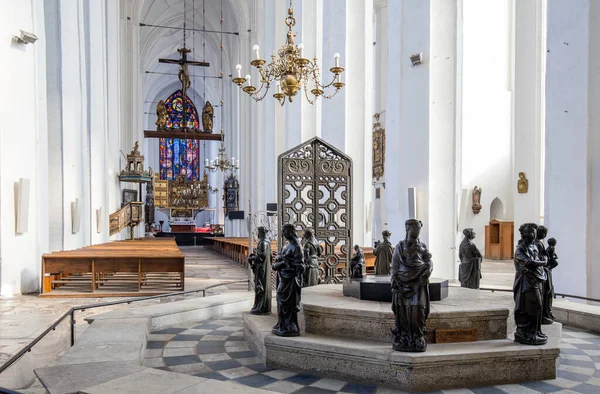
[(315, 191)]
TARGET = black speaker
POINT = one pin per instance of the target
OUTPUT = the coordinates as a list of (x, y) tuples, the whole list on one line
[(271, 208), (236, 215)]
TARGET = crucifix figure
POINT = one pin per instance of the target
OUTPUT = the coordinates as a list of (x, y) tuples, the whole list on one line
[(184, 77)]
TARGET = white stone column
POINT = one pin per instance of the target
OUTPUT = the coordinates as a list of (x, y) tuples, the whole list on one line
[(334, 41), (529, 69), (572, 172), (407, 114), (358, 139), (442, 137), (312, 39)]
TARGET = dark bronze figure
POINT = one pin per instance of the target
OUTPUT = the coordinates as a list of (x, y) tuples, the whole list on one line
[(469, 272), (357, 263), (260, 262), (383, 254), (528, 288), (547, 315), (411, 269), (312, 251), (289, 265)]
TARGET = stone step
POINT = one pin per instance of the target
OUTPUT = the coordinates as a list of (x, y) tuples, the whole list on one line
[(327, 312), (442, 366)]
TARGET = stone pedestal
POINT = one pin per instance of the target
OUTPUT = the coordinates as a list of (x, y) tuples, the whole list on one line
[(379, 288)]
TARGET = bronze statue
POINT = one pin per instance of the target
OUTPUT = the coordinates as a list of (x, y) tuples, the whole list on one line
[(469, 271), (312, 252), (290, 267), (207, 117), (522, 183), (411, 269), (528, 288), (357, 263), (383, 254), (161, 116), (547, 315), (476, 207), (260, 262)]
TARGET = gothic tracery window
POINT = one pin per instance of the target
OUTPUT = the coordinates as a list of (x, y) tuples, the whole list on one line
[(178, 155)]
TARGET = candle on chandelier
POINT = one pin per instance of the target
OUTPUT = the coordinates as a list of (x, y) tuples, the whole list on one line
[(255, 49), (278, 87), (337, 59), (206, 163), (239, 70), (248, 78), (300, 49), (237, 163), (232, 159)]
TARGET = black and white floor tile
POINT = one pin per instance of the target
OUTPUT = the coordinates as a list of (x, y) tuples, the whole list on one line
[(216, 349)]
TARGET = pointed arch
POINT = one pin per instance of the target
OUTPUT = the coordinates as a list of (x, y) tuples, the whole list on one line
[(178, 155)]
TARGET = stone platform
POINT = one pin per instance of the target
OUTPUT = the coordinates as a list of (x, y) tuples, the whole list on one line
[(379, 288), (345, 338), (326, 310)]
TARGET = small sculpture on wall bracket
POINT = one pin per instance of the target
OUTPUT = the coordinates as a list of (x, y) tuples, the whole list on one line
[(161, 116), (378, 148), (528, 288), (547, 315), (522, 183), (383, 254), (260, 263), (207, 117), (411, 269), (476, 207), (312, 251), (357, 263), (469, 271), (289, 265)]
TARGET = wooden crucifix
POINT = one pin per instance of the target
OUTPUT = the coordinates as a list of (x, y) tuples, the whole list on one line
[(184, 76)]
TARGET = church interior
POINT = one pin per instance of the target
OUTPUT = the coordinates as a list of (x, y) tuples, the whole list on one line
[(260, 196)]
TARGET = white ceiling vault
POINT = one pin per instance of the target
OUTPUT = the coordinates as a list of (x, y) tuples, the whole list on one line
[(155, 43)]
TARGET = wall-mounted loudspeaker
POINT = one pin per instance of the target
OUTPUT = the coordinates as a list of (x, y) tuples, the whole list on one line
[(75, 216), (22, 205), (99, 220), (236, 215)]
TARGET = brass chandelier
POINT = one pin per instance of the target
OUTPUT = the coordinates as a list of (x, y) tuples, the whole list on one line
[(222, 162), (290, 71)]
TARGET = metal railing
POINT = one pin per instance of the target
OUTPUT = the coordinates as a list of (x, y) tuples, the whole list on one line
[(71, 313)]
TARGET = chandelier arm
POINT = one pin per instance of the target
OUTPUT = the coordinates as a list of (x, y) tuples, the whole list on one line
[(330, 83), (306, 94), (332, 95), (266, 86)]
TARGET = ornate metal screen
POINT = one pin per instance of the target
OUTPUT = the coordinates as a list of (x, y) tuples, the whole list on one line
[(315, 191)]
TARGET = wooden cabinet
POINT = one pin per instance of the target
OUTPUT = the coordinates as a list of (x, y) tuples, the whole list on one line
[(499, 240)]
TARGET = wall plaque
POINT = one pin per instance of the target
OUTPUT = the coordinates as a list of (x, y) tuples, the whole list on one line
[(452, 335)]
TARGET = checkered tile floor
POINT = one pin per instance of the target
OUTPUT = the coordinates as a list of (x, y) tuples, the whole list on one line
[(216, 349)]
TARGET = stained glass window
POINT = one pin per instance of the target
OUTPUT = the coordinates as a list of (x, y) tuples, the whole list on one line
[(178, 155)]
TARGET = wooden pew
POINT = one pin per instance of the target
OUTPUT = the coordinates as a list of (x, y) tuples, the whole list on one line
[(120, 268)]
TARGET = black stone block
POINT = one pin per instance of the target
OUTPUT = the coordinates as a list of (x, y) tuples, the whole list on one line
[(379, 288)]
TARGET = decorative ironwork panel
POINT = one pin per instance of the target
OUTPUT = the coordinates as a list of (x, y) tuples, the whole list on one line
[(315, 192)]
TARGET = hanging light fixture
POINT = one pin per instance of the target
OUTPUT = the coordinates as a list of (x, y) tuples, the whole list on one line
[(290, 71), (222, 162)]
